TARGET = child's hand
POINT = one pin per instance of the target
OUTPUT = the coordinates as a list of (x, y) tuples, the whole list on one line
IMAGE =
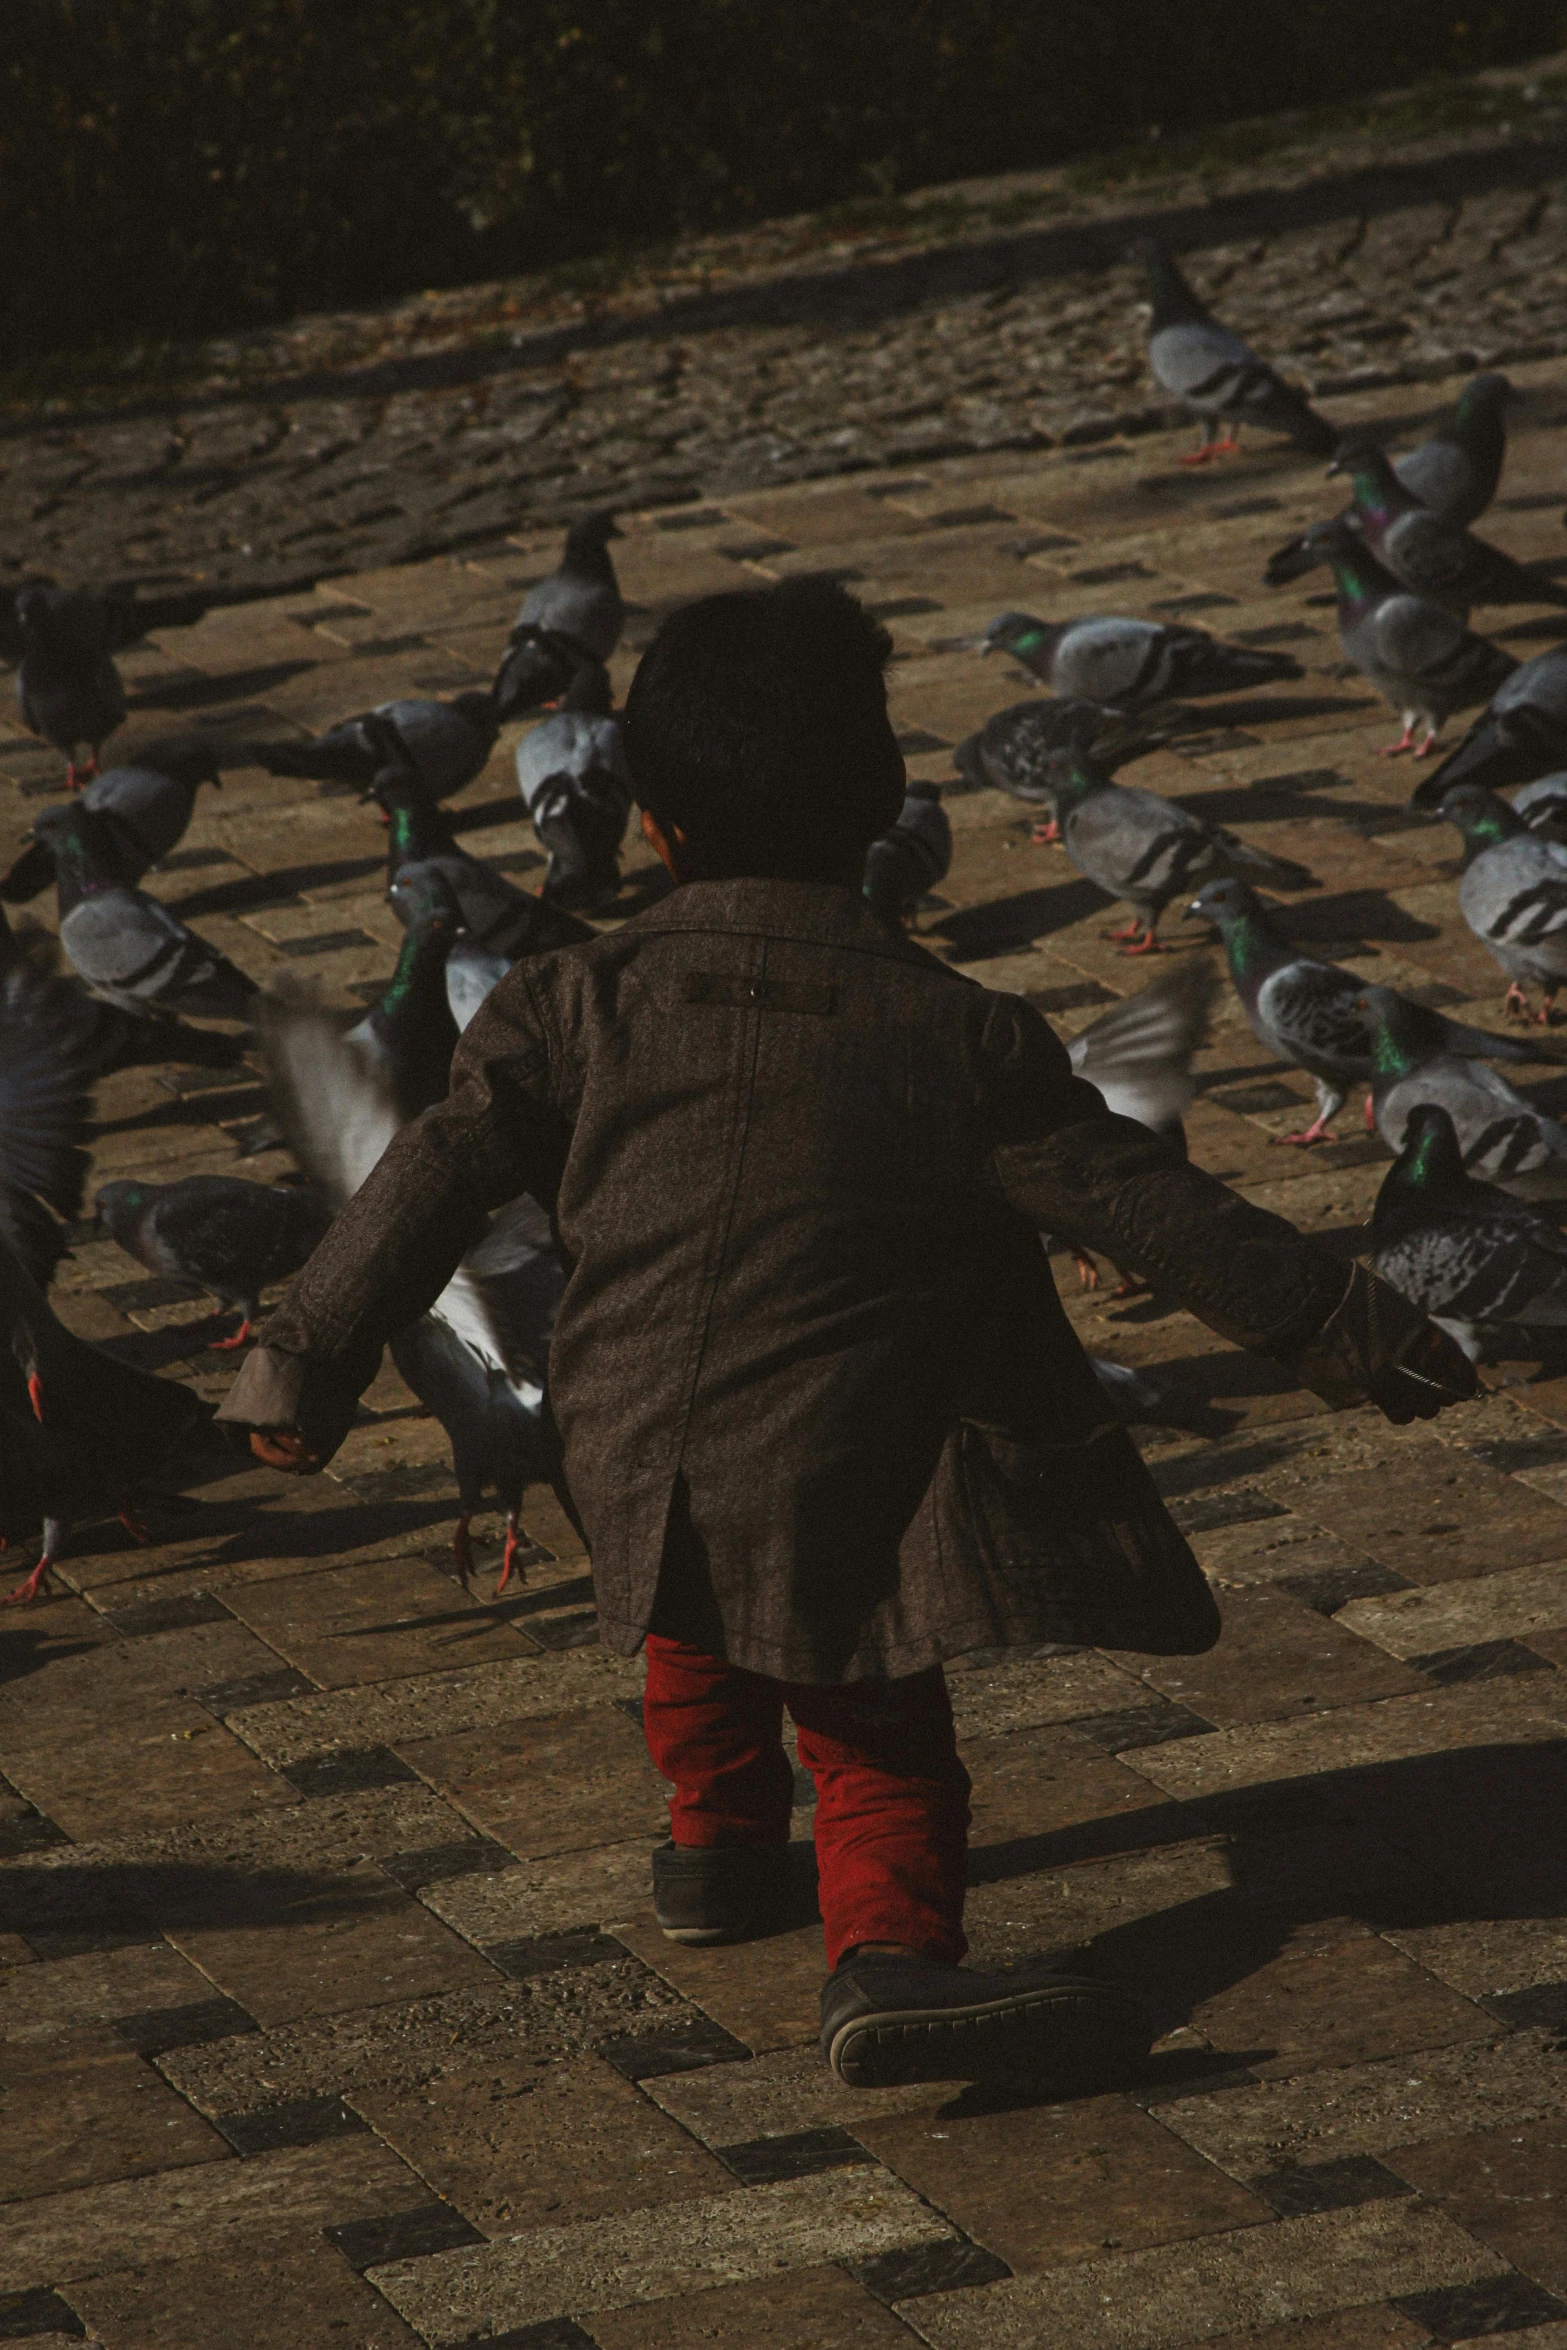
[(284, 1448)]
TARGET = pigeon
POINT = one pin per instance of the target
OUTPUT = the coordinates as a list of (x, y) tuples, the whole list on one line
[(476, 1359), (1437, 559), (1502, 1136), (1132, 663), (137, 816), (1513, 894), (1491, 1271), (1138, 1053), (1306, 1011), (493, 911), (445, 744), (1143, 849), (1543, 806), (79, 1430), (1422, 659), (471, 972), (127, 947), (1520, 735), (579, 600), (576, 786), (1454, 473), (66, 682), (908, 861), (541, 669), (116, 617), (235, 1238), (1214, 373), (48, 1061)]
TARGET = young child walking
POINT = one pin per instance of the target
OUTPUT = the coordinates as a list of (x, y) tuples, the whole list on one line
[(819, 1413)]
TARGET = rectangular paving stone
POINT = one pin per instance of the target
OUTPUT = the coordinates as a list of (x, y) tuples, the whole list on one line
[(1375, 2108), (472, 1856), (103, 1986), (1439, 1519), (1508, 2187), (169, 1762), (1485, 1957), (787, 2093), (1327, 2186), (1462, 2313), (608, 1886), (1276, 1659), (438, 1705), (549, 1783), (373, 1622), (1044, 2184), (155, 2031), (649, 2256), (81, 2108), (683, 2045), (1291, 2269), (516, 2142), (1330, 1997), (771, 2000), (309, 2295), (141, 2222), (1448, 1615), (406, 2235), (305, 2121), (815, 2308), (38, 2316)]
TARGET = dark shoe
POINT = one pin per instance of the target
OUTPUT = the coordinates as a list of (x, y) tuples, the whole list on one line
[(890, 2020), (712, 1893)]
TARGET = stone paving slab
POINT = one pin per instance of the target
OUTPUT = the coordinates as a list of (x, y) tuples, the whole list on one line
[(324, 1883)]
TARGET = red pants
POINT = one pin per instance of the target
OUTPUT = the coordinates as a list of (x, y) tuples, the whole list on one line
[(891, 1795)]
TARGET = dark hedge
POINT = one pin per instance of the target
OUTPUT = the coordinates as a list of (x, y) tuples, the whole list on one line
[(174, 166)]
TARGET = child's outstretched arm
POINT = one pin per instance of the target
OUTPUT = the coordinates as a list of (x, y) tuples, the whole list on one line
[(503, 1128), (1073, 1168)]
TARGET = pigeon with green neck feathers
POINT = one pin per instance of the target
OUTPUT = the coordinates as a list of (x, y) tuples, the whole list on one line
[(1306, 1011), (127, 947), (1454, 473), (233, 1237), (1144, 849), (1213, 372), (1433, 557), (494, 912), (1131, 664), (1501, 1135), (1513, 895), (1422, 659), (1491, 1271), (1521, 734), (138, 814)]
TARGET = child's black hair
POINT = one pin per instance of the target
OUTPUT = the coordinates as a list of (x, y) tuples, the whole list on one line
[(757, 723)]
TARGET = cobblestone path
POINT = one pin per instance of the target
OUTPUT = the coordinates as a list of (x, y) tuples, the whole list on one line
[(335, 2011)]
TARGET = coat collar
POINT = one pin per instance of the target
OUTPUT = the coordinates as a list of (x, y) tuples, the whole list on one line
[(819, 911)]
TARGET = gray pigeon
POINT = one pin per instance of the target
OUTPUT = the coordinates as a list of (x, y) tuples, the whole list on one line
[(1214, 373), (471, 972), (1454, 473), (445, 745), (127, 947), (1502, 1136), (48, 1061), (1543, 806), (1015, 751), (907, 862), (576, 786), (1492, 1272), (1433, 557), (1422, 659), (1521, 734), (1143, 849), (540, 669), (1306, 1011), (1513, 895), (580, 600), (136, 815), (235, 1238), (66, 683), (494, 912), (1130, 664), (80, 1431), (1138, 1053)]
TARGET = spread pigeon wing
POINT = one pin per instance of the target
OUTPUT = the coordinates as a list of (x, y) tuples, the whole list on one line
[(334, 1105)]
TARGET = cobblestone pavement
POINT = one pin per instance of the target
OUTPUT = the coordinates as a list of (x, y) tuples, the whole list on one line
[(336, 2010), (443, 424)]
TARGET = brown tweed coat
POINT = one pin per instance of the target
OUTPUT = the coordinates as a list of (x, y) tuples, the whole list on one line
[(819, 1409)]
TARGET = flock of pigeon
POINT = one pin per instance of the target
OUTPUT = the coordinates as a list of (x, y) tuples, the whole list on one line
[(1460, 1225)]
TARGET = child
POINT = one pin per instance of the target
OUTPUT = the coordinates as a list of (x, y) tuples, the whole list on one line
[(820, 1414)]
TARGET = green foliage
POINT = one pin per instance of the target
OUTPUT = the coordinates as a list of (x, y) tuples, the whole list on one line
[(168, 167)]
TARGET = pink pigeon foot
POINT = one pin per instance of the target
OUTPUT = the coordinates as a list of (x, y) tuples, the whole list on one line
[(28, 1591), (509, 1555), (1045, 836), (1087, 1270), (1405, 742), (1315, 1132), (1515, 1004), (223, 1346), (1371, 1114)]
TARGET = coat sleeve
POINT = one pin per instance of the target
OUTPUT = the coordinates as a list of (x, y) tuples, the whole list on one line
[(503, 1128), (1072, 1168)]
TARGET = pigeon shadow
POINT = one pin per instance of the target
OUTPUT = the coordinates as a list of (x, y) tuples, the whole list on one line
[(272, 889), (78, 1906), (28, 1648), (197, 693), (1353, 914), (976, 933)]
